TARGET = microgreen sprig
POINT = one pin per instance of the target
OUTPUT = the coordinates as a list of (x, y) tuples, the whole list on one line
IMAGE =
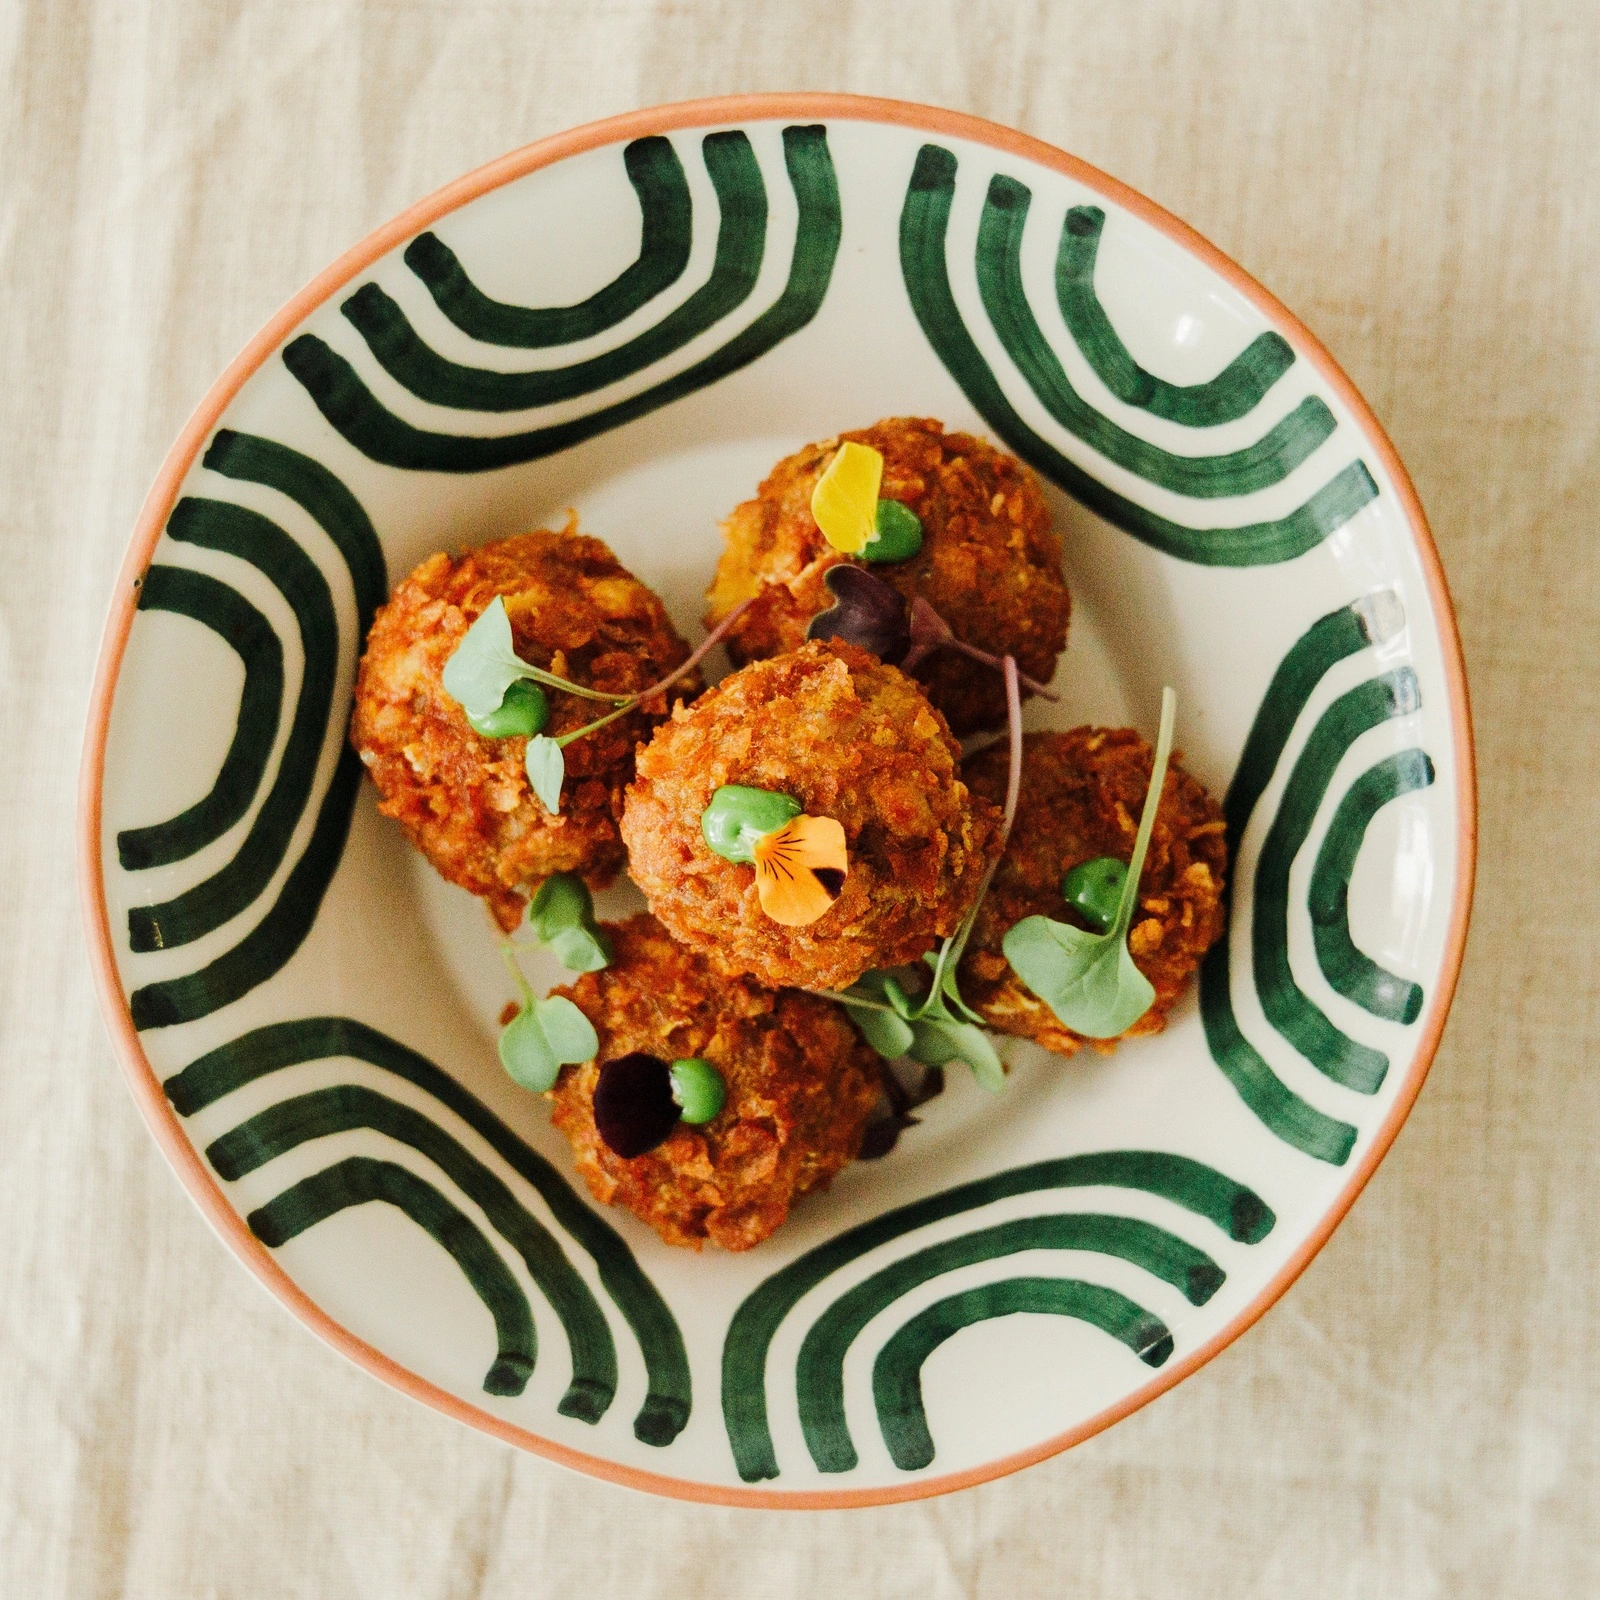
[(544, 1036), (874, 615), (485, 664), (1089, 979), (927, 1029), (562, 916)]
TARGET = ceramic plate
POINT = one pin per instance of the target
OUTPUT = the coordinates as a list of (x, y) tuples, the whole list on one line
[(635, 320)]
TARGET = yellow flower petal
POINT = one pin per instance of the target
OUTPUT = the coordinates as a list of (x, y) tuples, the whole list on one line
[(800, 869), (845, 500)]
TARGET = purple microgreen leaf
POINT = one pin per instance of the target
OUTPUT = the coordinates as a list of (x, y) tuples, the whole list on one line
[(866, 612)]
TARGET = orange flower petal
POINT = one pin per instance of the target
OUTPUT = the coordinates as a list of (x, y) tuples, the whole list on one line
[(800, 869)]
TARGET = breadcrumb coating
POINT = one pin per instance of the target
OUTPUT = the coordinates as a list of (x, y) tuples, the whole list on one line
[(1082, 793), (848, 738), (990, 563), (801, 1086), (465, 800)]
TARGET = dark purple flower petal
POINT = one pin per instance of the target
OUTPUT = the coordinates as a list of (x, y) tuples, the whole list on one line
[(633, 1106), (867, 612)]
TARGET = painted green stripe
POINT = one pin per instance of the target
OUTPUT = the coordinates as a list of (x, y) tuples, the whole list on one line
[(1331, 1051), (248, 458), (819, 1372), (360, 1180), (219, 525), (1258, 466), (266, 949), (270, 944), (286, 1044), (337, 1110), (199, 596), (897, 1373), (1233, 393), (346, 402), (741, 239), (1198, 1188), (1328, 641), (666, 229), (1350, 971), (924, 222)]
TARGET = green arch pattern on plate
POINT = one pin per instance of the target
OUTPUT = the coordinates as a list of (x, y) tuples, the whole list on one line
[(1238, 1211), (819, 1371), (207, 600), (360, 1180), (666, 222), (1269, 460), (351, 1105), (1350, 971), (897, 1373), (1232, 393), (924, 226), (741, 243), (255, 538), (281, 1045), (351, 407), (1331, 639)]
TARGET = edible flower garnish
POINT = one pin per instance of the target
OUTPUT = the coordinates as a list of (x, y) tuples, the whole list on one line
[(494, 686), (1089, 979), (544, 1036), (874, 615), (562, 915), (853, 519), (639, 1100), (801, 862), (800, 869), (928, 1029)]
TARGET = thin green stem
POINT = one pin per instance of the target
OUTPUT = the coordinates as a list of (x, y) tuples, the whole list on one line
[(1147, 818), (694, 660), (508, 953)]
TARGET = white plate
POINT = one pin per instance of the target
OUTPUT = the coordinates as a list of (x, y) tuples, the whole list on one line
[(307, 1014)]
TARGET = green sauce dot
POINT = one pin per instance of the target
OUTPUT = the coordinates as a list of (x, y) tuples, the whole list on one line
[(738, 816), (898, 533), (698, 1088), (1093, 888), (523, 713)]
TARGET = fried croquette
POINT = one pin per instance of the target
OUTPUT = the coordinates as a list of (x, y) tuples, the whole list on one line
[(848, 738), (465, 800), (990, 563), (801, 1086), (1082, 793)]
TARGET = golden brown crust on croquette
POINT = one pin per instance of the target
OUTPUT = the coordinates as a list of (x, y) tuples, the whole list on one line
[(801, 1086), (465, 800), (848, 738), (990, 564), (1081, 796)]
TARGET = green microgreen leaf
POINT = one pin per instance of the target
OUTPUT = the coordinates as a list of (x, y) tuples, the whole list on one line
[(543, 1037), (562, 915), (546, 767), (877, 1005), (485, 664), (941, 1039), (1089, 979)]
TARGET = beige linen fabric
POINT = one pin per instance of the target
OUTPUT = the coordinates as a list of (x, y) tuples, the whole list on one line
[(1418, 181)]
